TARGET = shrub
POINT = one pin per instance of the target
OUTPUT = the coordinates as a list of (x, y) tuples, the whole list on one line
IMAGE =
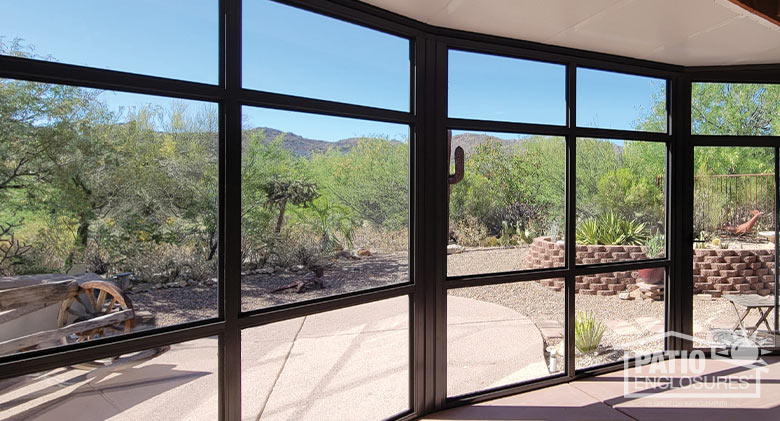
[(587, 332), (610, 229)]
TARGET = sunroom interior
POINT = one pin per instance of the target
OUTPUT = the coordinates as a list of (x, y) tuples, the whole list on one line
[(389, 209)]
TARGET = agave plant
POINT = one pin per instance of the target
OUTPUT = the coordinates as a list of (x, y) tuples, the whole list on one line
[(587, 332), (610, 229), (588, 232)]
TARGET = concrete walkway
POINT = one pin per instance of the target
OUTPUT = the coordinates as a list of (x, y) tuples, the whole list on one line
[(346, 364)]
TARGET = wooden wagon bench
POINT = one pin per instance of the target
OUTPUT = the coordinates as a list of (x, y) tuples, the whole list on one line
[(41, 311)]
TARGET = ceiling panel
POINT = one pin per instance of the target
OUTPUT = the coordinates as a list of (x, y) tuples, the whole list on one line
[(740, 40), (506, 18), (684, 32)]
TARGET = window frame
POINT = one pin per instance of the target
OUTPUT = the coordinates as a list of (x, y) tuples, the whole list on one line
[(428, 121)]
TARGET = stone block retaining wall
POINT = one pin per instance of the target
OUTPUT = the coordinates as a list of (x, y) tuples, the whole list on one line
[(545, 253), (747, 271), (715, 271)]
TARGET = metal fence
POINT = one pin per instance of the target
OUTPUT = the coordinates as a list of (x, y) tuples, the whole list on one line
[(728, 199)]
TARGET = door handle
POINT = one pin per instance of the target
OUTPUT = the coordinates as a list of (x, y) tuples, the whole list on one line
[(459, 158)]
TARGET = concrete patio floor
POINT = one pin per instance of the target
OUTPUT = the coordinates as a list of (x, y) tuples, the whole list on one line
[(602, 398), (346, 364)]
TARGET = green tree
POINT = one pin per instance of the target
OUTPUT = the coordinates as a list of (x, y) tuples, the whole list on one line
[(371, 181)]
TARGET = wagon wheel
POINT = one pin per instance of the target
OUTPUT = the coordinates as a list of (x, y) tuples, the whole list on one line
[(95, 299)]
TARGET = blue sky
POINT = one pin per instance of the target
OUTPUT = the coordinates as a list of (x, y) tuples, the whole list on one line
[(299, 53)]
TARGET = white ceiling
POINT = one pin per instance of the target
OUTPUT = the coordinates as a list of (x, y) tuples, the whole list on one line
[(684, 32)]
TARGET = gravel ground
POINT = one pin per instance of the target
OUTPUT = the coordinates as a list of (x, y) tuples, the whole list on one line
[(542, 304), (475, 260), (633, 319)]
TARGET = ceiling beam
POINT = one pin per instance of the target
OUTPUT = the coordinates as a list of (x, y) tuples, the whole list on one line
[(767, 9)]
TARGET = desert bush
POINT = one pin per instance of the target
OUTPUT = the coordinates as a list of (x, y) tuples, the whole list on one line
[(159, 263), (631, 197), (298, 246), (655, 245), (372, 237), (709, 211), (489, 241), (610, 229), (587, 332), (334, 223), (468, 231)]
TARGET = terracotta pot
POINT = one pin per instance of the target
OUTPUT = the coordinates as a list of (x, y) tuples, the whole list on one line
[(654, 276)]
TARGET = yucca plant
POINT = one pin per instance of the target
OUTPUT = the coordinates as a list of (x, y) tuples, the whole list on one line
[(587, 332)]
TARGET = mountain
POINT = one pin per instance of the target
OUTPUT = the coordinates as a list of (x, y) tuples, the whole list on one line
[(469, 142), (304, 147), (301, 146)]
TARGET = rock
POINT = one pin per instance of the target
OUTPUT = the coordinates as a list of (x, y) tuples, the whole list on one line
[(142, 287), (211, 282), (144, 317), (344, 254), (363, 252), (297, 268), (455, 249)]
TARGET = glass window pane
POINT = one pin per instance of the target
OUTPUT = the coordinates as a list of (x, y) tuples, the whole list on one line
[(620, 101), (347, 364), (292, 51), (158, 38), (733, 217), (498, 335), (510, 201), (739, 109), (621, 200), (108, 205), (488, 87), (325, 206), (619, 315), (169, 383)]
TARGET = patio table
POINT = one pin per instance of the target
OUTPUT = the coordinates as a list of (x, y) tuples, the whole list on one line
[(764, 306)]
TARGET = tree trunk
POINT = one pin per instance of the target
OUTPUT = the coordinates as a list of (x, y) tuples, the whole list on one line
[(82, 233), (213, 244), (280, 221)]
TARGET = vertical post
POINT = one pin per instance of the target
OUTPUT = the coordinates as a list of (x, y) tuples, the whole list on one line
[(419, 342), (680, 233), (777, 243), (440, 220), (431, 209), (230, 218), (671, 323), (571, 216)]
